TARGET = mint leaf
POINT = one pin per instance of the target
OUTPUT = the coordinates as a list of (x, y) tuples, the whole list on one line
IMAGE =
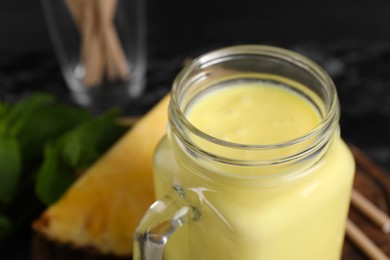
[(10, 168), (76, 149), (15, 119), (53, 178), (47, 123), (84, 144)]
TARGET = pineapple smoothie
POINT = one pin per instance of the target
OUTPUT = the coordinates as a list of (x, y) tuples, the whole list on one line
[(288, 211)]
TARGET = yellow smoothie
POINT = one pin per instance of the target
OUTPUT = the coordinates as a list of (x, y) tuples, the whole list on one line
[(257, 212), (253, 113)]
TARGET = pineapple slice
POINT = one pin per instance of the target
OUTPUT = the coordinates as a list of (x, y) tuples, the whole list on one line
[(102, 208)]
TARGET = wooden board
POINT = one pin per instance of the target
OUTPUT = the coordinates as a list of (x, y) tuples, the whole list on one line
[(374, 183)]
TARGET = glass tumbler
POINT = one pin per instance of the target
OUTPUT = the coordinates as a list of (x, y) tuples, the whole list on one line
[(101, 48)]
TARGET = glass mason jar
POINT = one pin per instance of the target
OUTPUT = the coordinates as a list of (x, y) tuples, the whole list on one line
[(286, 200)]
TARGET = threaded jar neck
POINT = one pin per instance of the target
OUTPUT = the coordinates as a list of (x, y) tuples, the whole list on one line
[(248, 63)]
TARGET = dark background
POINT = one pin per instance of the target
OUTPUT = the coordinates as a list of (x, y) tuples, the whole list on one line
[(176, 27), (350, 39)]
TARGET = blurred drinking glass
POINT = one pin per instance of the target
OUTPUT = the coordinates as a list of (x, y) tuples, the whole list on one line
[(101, 48)]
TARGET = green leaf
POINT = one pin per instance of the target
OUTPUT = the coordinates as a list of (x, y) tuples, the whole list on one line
[(84, 144), (48, 123), (15, 119), (10, 167), (53, 177), (76, 149)]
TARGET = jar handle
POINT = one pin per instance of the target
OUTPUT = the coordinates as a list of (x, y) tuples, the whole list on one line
[(163, 218)]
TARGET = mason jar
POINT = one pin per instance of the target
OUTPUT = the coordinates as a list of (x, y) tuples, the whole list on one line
[(219, 198)]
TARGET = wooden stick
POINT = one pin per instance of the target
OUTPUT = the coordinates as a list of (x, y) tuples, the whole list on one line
[(75, 7), (363, 242), (107, 12), (371, 211), (91, 46), (75, 11), (85, 17), (117, 52), (372, 169), (120, 69)]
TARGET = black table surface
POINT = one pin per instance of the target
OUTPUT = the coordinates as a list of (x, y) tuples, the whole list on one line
[(350, 40)]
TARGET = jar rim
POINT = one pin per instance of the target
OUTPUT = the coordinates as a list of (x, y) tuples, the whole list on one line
[(331, 114)]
